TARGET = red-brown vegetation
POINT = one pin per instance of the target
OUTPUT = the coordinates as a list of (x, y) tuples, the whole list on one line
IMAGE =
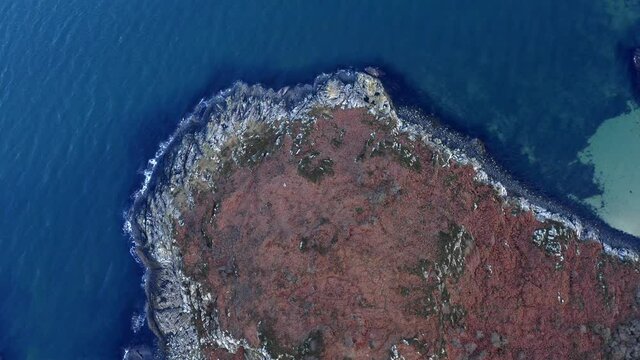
[(372, 243)]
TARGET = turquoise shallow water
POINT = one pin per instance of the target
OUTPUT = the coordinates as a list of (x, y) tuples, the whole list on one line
[(89, 88)]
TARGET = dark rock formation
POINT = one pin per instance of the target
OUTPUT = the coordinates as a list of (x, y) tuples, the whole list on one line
[(314, 223)]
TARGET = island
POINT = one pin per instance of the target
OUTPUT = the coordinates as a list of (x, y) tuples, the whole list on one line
[(314, 222)]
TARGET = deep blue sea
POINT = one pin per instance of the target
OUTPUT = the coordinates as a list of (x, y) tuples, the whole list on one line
[(89, 88)]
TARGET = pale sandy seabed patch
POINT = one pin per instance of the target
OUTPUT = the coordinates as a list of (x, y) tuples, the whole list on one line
[(614, 151)]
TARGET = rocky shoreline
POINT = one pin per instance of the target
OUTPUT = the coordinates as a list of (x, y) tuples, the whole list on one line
[(184, 311), (212, 122)]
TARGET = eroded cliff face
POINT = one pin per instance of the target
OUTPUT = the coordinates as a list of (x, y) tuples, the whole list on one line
[(328, 228)]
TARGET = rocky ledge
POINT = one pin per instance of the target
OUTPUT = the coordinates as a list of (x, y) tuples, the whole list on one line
[(314, 222)]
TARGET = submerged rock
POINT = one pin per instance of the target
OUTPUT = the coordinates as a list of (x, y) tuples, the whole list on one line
[(313, 222), (636, 60), (140, 352)]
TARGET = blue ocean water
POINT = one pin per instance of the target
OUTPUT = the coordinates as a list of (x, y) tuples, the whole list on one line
[(89, 88)]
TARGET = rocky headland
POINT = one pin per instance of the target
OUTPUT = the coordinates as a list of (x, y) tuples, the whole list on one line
[(314, 222)]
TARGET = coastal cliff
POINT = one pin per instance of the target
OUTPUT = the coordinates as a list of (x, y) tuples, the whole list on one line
[(314, 222)]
